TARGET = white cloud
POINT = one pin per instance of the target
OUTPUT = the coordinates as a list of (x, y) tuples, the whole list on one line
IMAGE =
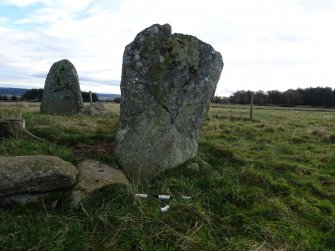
[(4, 20), (74, 6), (24, 3), (265, 44)]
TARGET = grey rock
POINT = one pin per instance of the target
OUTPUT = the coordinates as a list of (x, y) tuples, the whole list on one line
[(167, 83), (35, 174), (62, 93), (193, 167), (94, 109), (94, 176), (20, 199), (23, 199), (202, 162)]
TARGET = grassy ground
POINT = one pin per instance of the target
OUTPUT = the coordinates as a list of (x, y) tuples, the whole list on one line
[(266, 184)]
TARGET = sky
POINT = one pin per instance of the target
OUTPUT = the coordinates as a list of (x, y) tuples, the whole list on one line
[(265, 44)]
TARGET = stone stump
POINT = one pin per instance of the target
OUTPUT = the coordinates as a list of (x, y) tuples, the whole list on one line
[(62, 93), (167, 83), (11, 128), (15, 128)]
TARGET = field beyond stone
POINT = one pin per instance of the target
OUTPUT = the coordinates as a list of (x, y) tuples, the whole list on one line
[(263, 184)]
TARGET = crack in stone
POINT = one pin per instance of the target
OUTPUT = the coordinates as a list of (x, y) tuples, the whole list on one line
[(162, 105), (177, 112), (167, 109)]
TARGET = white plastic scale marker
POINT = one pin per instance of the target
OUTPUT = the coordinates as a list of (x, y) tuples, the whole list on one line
[(186, 197), (164, 197), (160, 196), (141, 195), (165, 209)]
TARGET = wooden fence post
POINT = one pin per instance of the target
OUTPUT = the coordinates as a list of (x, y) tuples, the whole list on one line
[(91, 100), (251, 105)]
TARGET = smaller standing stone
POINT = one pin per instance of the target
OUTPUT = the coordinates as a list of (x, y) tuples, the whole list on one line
[(62, 93)]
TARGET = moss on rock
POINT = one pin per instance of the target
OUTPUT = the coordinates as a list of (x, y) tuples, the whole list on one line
[(167, 83)]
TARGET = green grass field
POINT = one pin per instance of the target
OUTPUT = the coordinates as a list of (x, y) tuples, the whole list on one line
[(263, 184)]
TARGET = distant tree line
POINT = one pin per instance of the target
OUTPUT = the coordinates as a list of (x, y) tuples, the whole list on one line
[(5, 98), (36, 95), (313, 96), (33, 95)]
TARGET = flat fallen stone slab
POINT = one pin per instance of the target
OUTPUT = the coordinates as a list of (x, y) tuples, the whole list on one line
[(35, 174), (94, 176)]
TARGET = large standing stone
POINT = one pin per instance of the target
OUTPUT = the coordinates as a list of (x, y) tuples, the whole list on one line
[(34, 174), (62, 93), (167, 84)]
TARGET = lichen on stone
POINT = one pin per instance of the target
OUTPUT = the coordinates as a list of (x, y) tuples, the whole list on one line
[(62, 93), (163, 110)]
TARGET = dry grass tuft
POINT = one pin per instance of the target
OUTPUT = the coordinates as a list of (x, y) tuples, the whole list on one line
[(14, 110)]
